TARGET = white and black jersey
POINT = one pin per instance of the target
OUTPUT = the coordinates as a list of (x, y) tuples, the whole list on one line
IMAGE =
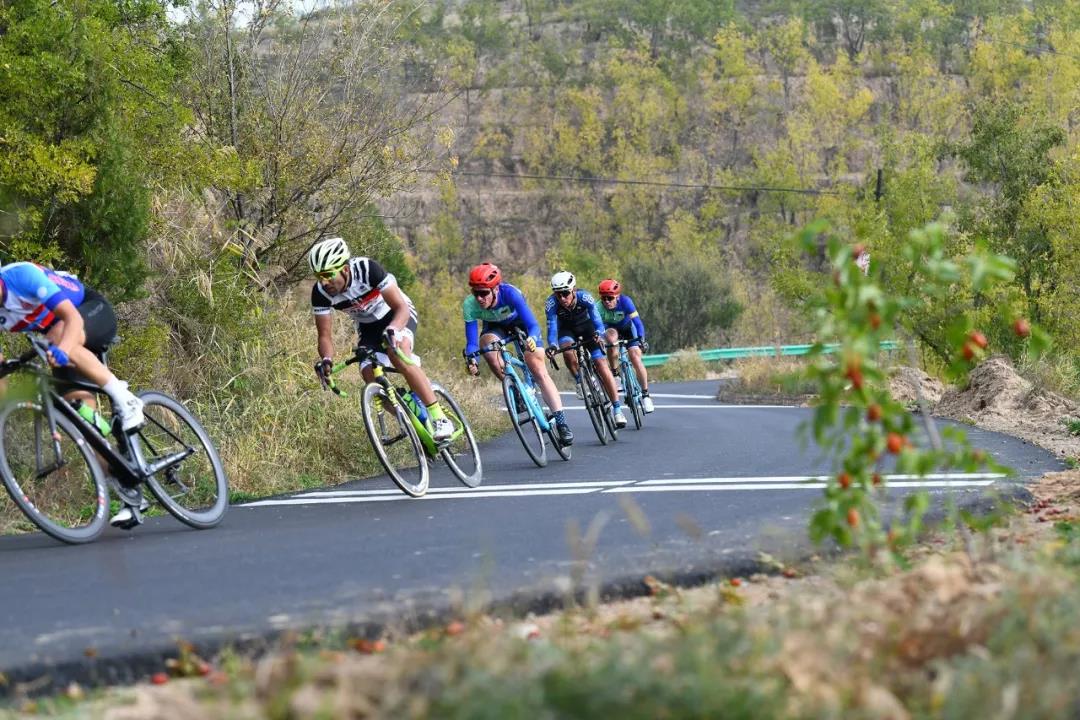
[(362, 298)]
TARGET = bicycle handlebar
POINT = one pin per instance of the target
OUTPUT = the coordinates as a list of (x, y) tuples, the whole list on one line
[(37, 349)]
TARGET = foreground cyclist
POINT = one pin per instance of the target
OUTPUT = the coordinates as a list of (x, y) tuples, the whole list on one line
[(384, 316), (573, 314), (79, 324), (623, 322), (502, 308)]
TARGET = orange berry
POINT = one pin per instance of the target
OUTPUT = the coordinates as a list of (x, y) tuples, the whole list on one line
[(844, 480), (876, 479), (735, 582), (455, 627), (873, 413), (875, 320), (1021, 327), (968, 351), (978, 339), (853, 517), (159, 678), (894, 442)]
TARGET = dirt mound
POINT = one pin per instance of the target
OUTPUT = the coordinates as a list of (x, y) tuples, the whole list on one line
[(904, 384), (997, 398)]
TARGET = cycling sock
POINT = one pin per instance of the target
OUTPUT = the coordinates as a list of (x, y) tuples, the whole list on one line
[(616, 406), (645, 393), (577, 377), (436, 411), (560, 417)]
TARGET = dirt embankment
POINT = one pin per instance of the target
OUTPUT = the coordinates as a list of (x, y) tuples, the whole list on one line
[(997, 398)]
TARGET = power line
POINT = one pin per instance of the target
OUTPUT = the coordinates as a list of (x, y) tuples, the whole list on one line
[(655, 183)]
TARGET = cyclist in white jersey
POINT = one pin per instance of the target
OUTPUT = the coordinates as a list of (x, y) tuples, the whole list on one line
[(384, 317)]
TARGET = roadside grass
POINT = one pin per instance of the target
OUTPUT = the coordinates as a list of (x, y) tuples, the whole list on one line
[(983, 625)]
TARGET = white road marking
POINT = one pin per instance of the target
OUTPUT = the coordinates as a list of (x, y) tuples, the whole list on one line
[(663, 395), (710, 406), (786, 482)]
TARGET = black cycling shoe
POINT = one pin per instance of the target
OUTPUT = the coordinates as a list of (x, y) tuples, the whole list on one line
[(566, 435)]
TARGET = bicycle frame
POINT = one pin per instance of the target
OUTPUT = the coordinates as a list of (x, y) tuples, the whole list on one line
[(627, 369), (130, 472), (379, 371), (512, 363)]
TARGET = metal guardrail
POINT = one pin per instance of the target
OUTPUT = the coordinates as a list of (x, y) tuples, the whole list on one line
[(744, 352)]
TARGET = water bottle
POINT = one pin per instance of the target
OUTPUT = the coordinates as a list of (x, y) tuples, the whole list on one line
[(420, 408), (92, 416)]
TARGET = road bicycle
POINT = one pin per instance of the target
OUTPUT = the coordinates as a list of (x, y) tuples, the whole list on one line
[(520, 390), (398, 427), (53, 461), (633, 395), (597, 403)]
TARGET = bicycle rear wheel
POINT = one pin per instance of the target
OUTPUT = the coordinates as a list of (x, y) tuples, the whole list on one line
[(633, 395), (394, 440), (593, 406), (462, 455), (191, 482), (62, 493), (525, 425)]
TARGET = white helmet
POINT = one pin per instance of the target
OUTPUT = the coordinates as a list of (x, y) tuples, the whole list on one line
[(329, 255), (563, 280)]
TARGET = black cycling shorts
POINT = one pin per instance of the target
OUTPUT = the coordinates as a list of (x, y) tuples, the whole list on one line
[(99, 323)]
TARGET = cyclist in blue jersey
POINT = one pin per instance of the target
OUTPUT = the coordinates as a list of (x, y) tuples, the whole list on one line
[(623, 322), (502, 307), (572, 314), (79, 325)]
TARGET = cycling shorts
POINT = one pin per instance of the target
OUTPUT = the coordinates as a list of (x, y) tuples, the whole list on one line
[(586, 332), (371, 338), (99, 323)]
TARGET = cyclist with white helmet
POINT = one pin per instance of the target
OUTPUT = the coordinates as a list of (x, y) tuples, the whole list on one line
[(573, 314), (502, 307), (623, 322), (384, 316)]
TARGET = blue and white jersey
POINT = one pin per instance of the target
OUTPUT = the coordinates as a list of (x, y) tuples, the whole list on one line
[(510, 309), (581, 318), (32, 292)]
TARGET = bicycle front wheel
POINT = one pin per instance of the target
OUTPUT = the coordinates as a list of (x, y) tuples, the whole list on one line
[(525, 425), (633, 396), (62, 492), (394, 440), (191, 482), (593, 403), (462, 455)]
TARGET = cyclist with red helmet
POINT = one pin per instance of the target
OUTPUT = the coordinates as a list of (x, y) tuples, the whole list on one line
[(502, 307), (623, 322)]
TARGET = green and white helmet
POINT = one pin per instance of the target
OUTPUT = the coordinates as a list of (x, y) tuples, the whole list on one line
[(328, 256)]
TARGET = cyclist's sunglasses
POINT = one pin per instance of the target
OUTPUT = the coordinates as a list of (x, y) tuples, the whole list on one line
[(563, 293), (481, 293), (328, 275), (609, 298)]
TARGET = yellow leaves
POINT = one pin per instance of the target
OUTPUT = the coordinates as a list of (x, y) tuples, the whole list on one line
[(445, 136)]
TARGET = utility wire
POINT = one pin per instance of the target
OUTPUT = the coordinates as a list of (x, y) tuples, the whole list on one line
[(655, 183)]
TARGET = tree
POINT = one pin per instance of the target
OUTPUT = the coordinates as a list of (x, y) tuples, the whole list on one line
[(316, 113), (88, 118)]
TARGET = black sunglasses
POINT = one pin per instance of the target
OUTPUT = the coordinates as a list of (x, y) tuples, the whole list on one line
[(563, 293), (607, 298), (481, 293)]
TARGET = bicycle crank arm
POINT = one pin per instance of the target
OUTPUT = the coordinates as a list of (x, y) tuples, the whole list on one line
[(168, 461)]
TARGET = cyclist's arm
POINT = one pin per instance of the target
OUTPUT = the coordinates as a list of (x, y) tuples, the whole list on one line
[(72, 334), (635, 319), (552, 322), (521, 307), (472, 334), (324, 326), (398, 305), (594, 311)]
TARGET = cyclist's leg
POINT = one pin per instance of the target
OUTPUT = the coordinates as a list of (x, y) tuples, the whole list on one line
[(634, 350), (490, 334), (569, 357), (603, 370), (535, 361), (612, 337)]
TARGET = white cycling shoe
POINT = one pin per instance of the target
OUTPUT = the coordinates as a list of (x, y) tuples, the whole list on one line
[(646, 402), (442, 429), (620, 419), (131, 413)]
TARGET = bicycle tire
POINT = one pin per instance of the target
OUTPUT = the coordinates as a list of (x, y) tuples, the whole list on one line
[(592, 403), (379, 420), (512, 390), (464, 446), (49, 501), (195, 490), (564, 451), (633, 395)]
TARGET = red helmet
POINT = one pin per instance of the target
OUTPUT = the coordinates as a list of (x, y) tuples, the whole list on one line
[(485, 275), (610, 287)]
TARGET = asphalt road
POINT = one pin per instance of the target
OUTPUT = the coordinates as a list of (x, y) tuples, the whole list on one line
[(700, 490)]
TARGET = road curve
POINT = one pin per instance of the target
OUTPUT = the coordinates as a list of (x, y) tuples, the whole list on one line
[(701, 489)]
